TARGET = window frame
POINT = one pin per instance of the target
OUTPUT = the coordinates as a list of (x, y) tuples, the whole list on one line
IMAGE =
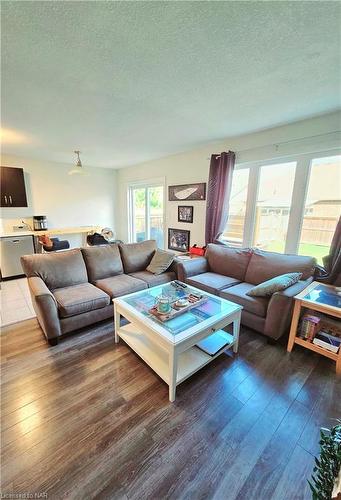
[(298, 199)]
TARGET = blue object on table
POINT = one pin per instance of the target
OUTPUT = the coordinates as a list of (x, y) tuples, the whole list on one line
[(323, 294)]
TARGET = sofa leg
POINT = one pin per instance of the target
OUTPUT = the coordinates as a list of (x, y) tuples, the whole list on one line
[(53, 341), (271, 341)]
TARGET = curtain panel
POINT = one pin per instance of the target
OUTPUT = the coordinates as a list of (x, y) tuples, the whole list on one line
[(332, 262), (218, 194)]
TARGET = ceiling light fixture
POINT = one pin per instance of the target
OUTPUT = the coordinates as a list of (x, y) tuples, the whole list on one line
[(78, 168)]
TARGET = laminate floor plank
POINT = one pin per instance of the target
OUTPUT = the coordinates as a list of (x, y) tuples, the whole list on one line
[(88, 419), (316, 383), (294, 479), (173, 429), (266, 473), (325, 412)]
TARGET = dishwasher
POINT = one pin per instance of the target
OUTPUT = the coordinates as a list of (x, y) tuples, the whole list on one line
[(11, 249)]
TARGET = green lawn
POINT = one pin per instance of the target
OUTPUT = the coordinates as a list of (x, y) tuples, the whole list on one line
[(317, 251)]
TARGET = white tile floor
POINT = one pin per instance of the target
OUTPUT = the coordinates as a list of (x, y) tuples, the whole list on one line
[(15, 302)]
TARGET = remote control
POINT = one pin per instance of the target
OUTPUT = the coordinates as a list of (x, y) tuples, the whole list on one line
[(180, 284)]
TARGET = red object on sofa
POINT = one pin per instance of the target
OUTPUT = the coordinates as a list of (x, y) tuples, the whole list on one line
[(197, 250)]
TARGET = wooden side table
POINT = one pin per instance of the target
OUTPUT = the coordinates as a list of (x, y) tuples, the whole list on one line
[(312, 299)]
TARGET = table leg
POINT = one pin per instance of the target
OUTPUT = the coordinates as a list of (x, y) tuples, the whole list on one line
[(117, 323), (338, 364), (173, 370), (294, 323), (236, 328)]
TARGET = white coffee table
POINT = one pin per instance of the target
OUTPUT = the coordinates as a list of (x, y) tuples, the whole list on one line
[(170, 348)]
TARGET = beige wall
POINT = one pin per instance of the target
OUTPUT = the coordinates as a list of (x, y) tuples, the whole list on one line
[(314, 135), (73, 201), (66, 200)]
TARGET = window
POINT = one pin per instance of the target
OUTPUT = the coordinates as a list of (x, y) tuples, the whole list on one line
[(234, 232), (322, 207), (292, 206), (147, 213), (273, 205), (139, 214)]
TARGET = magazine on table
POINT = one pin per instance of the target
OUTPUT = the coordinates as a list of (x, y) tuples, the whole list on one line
[(329, 342), (216, 342)]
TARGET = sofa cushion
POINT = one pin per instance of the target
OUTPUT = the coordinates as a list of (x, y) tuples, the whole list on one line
[(102, 261), (266, 265), (269, 287), (120, 285), (237, 294), (57, 269), (77, 299), (160, 262), (137, 256), (211, 282), (154, 279), (228, 261)]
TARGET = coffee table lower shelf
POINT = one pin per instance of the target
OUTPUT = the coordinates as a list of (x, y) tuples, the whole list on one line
[(188, 362)]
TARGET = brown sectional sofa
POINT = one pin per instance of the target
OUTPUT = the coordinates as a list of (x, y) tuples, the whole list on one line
[(73, 289), (231, 273)]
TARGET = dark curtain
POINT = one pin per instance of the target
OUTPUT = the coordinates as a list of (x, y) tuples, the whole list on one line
[(332, 263), (218, 194)]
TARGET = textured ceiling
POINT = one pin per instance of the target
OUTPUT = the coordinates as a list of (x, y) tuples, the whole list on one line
[(125, 82)]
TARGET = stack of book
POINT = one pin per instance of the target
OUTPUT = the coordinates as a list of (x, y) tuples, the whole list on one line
[(327, 341), (321, 330), (309, 327), (329, 334)]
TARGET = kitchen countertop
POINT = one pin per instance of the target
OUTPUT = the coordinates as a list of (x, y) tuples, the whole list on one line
[(51, 232)]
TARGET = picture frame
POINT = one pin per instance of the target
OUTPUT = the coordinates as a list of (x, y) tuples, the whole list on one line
[(185, 213), (178, 239), (184, 192)]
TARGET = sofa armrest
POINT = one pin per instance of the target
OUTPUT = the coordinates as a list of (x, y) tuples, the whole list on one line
[(192, 267), (280, 306), (173, 267), (45, 306)]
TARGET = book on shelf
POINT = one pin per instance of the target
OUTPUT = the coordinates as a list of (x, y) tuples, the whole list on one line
[(327, 341), (216, 342), (309, 327)]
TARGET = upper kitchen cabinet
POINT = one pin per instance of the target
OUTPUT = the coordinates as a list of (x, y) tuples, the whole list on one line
[(13, 191)]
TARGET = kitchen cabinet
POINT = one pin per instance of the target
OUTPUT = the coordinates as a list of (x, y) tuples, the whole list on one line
[(13, 191)]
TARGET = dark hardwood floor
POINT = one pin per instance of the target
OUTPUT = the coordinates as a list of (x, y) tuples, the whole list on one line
[(89, 419)]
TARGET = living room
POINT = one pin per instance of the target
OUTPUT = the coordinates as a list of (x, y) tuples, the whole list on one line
[(170, 249)]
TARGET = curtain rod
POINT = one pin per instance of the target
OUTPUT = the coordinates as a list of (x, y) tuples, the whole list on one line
[(277, 144)]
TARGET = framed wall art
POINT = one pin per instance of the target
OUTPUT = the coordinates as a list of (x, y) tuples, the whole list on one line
[(185, 213), (178, 239), (187, 192)]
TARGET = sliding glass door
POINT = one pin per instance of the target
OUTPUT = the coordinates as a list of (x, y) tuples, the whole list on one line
[(147, 213)]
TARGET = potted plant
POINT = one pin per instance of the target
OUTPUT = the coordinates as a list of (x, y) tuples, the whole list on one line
[(327, 467)]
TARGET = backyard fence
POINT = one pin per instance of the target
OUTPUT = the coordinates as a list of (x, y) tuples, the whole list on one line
[(316, 230)]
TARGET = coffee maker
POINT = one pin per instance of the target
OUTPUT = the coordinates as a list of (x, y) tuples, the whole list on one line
[(39, 222)]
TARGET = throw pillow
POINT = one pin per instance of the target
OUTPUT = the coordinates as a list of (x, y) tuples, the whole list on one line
[(276, 284), (160, 262)]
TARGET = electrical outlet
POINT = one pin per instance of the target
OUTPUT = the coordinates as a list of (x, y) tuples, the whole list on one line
[(21, 227)]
